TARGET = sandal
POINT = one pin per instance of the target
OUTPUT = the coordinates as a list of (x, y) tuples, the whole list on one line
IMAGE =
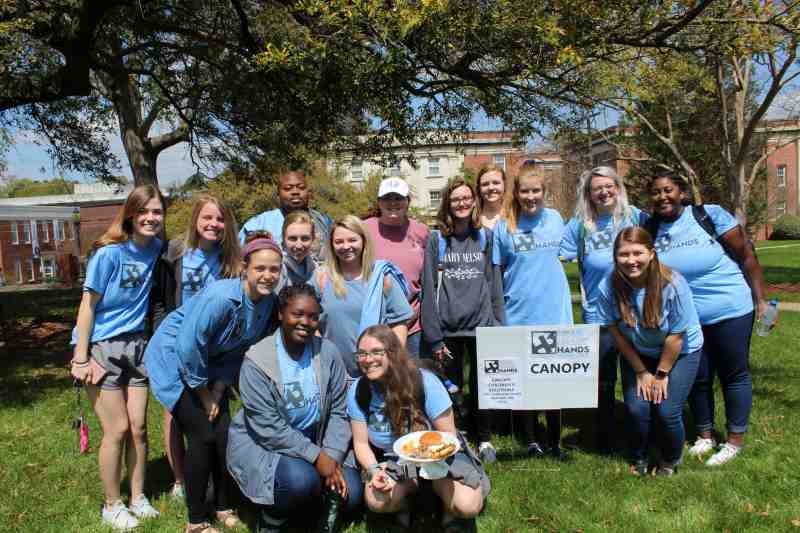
[(204, 527), (229, 519)]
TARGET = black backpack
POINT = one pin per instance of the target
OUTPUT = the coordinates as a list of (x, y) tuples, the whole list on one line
[(364, 396)]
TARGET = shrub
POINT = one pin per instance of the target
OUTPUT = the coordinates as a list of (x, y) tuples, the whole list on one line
[(787, 227)]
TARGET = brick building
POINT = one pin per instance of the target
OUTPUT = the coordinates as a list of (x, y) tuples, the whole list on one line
[(38, 244), (438, 163)]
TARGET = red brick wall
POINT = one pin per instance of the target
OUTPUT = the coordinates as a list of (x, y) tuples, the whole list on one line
[(785, 156), (95, 220)]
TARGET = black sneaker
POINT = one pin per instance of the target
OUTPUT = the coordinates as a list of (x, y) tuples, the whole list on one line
[(558, 454), (534, 450)]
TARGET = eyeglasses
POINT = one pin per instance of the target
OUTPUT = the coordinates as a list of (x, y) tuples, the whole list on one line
[(361, 355), (466, 200)]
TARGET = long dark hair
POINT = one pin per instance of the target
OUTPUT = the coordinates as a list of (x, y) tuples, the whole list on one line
[(656, 277), (401, 380), (445, 218)]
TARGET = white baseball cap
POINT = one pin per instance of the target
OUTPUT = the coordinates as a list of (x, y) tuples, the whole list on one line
[(393, 186)]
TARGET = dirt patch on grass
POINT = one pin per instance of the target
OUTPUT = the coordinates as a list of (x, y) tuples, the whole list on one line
[(36, 333), (784, 287)]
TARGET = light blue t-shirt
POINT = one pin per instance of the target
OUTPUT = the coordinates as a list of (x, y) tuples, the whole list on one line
[(271, 221), (678, 315), (123, 275), (341, 317), (719, 287), (534, 283), (300, 389), (199, 269), (437, 401), (598, 254), (205, 339)]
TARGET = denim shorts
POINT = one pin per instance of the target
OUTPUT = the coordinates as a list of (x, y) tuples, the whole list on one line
[(122, 358)]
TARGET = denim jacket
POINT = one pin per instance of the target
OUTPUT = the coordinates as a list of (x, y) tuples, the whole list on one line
[(260, 432)]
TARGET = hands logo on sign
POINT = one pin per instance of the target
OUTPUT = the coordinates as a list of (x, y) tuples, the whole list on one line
[(491, 366), (543, 342)]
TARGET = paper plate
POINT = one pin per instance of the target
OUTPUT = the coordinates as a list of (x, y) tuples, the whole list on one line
[(399, 443)]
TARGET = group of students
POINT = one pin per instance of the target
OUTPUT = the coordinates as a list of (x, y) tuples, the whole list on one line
[(341, 336)]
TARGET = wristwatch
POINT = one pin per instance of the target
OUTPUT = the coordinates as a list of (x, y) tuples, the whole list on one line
[(661, 374)]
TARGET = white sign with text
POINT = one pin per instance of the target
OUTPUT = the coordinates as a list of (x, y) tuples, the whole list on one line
[(538, 367)]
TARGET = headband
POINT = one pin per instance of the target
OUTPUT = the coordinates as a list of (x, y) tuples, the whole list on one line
[(261, 243)]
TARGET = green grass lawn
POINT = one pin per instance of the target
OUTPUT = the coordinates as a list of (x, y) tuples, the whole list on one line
[(45, 485)]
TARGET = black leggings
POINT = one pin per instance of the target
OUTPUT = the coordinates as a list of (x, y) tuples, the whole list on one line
[(463, 349), (206, 443)]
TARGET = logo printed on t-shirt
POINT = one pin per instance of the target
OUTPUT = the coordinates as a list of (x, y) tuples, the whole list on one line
[(131, 276), (293, 394), (523, 242), (194, 279), (662, 243), (601, 240), (378, 421)]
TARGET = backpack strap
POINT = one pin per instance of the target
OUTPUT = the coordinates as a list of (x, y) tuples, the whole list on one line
[(482, 238)]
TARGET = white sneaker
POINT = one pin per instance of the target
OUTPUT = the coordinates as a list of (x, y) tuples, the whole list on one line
[(141, 507), (487, 453), (702, 446), (177, 492), (119, 517), (726, 452)]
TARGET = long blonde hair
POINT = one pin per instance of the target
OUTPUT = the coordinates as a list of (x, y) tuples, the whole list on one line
[(513, 207), (231, 261), (354, 224), (585, 211), (121, 228), (658, 275)]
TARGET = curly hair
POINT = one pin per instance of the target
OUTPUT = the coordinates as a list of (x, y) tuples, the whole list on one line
[(401, 380), (290, 292)]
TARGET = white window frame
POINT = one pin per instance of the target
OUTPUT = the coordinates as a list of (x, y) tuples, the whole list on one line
[(434, 166), (434, 198), (45, 231), (357, 170), (780, 176), (58, 231), (26, 231), (32, 269), (780, 209), (499, 160), (14, 233), (18, 267), (49, 268)]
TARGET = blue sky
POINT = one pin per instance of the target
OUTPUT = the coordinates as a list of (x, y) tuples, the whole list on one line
[(26, 159)]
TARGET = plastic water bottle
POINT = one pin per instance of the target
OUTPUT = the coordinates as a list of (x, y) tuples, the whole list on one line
[(768, 318)]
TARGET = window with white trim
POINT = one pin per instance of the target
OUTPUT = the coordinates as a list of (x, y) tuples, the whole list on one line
[(433, 167), (356, 170), (58, 230), (45, 233), (780, 209), (780, 176), (26, 232), (499, 160), (14, 233), (49, 268), (434, 198), (18, 268)]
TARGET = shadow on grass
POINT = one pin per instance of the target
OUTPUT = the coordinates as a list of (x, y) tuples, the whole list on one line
[(29, 375), (61, 304)]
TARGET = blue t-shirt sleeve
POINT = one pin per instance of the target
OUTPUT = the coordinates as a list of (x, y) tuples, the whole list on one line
[(680, 306), (723, 221), (199, 328), (607, 312), (397, 306), (499, 244), (569, 242), (101, 268), (437, 401), (353, 410)]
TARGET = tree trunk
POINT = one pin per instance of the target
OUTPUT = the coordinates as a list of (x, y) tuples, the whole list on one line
[(141, 157), (739, 192)]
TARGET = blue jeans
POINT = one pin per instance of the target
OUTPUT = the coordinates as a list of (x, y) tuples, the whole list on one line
[(669, 413), (415, 345), (609, 357), (726, 353), (298, 490)]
